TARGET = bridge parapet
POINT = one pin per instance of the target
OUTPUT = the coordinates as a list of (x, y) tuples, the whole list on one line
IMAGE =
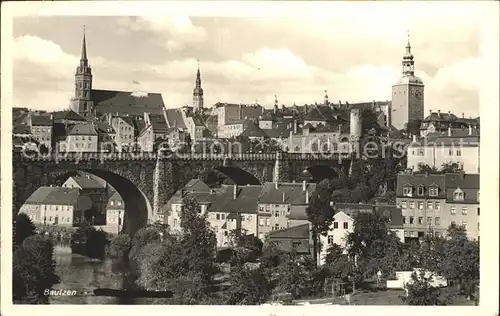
[(144, 156)]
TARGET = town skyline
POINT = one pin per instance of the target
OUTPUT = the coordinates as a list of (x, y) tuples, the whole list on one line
[(247, 59)]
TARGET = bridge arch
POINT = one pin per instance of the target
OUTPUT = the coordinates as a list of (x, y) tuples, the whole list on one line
[(136, 197), (238, 175), (320, 172)]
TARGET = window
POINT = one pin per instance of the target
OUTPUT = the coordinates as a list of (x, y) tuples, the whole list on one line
[(276, 213), (412, 204), (464, 210), (50, 218), (436, 205), (429, 221), (450, 152), (175, 222), (119, 203), (411, 219), (330, 240), (478, 211), (403, 204), (261, 221), (420, 220), (429, 205), (346, 225), (407, 190), (464, 224), (420, 190), (420, 205), (217, 216), (459, 152), (453, 210), (437, 221), (404, 219), (412, 234), (335, 225), (276, 226), (222, 216), (458, 196), (268, 222), (433, 191)]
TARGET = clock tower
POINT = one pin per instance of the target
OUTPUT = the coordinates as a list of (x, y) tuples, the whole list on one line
[(407, 94)]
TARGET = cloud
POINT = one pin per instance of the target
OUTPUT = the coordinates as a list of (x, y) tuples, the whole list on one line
[(174, 32), (243, 59)]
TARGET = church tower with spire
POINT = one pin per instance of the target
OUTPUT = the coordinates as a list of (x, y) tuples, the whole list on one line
[(82, 102), (407, 94), (198, 93)]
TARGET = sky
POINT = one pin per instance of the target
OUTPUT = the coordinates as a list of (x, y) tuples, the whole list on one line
[(352, 51)]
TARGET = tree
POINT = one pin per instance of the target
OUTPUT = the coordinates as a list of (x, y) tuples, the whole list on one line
[(119, 246), (421, 292), (413, 127), (373, 247), (299, 276), (423, 168), (198, 240), (337, 263), (23, 228), (460, 260), (320, 214), (450, 167), (369, 120), (33, 270), (239, 239), (248, 287), (88, 241)]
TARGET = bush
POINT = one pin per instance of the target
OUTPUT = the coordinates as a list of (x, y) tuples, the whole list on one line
[(33, 270), (119, 246), (23, 228), (88, 241)]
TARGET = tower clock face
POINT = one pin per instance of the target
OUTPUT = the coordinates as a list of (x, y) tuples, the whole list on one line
[(418, 94)]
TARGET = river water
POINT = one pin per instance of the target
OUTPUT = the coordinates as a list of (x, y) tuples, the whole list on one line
[(83, 274)]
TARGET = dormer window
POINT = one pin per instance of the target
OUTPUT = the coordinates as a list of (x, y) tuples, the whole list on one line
[(433, 191), (458, 195), (407, 190), (420, 190)]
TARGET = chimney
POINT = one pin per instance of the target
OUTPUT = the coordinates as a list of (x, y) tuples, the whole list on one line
[(463, 115), (414, 138), (235, 191), (51, 117), (470, 129), (340, 128), (304, 185), (439, 113), (340, 104), (240, 111), (430, 111), (283, 200), (307, 196), (276, 185), (449, 131)]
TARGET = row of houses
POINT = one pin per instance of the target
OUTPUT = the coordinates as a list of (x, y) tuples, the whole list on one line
[(81, 198)]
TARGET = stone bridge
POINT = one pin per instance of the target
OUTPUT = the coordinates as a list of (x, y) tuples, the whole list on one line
[(146, 181)]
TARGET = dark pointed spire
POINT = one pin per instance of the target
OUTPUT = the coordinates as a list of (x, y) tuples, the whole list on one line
[(84, 46), (408, 46), (198, 76)]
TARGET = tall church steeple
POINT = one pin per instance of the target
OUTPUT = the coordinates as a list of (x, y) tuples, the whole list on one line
[(81, 102), (408, 62), (407, 103), (198, 92)]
